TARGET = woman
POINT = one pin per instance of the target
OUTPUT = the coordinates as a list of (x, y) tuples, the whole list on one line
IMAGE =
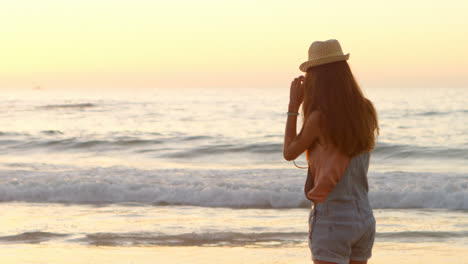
[(338, 133)]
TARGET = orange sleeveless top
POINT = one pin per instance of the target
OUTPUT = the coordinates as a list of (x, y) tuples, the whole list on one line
[(327, 164)]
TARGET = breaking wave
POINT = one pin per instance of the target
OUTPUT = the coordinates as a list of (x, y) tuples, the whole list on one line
[(253, 188)]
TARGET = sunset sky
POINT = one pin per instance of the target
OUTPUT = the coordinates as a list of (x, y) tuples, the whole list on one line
[(64, 44)]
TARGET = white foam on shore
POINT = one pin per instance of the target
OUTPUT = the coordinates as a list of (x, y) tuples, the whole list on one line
[(256, 188)]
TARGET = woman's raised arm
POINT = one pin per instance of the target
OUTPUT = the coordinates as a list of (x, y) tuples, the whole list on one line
[(295, 144)]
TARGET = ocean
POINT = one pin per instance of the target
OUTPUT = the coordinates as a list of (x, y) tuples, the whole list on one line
[(197, 175)]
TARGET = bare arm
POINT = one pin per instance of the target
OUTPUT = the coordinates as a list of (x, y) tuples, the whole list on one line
[(295, 144)]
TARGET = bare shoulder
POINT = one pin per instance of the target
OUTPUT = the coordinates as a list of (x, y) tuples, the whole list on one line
[(313, 120), (312, 123)]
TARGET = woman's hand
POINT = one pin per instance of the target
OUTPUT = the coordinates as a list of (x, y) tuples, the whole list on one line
[(296, 94)]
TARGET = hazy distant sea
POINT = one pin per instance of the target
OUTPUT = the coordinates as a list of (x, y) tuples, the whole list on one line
[(173, 169)]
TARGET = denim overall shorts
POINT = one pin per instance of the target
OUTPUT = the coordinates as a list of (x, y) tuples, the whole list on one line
[(342, 228)]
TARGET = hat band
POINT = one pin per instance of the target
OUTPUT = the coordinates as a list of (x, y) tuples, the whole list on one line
[(322, 60), (328, 55)]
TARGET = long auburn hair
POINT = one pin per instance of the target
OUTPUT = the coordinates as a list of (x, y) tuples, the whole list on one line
[(349, 119)]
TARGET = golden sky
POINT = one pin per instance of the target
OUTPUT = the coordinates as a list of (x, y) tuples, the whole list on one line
[(231, 44)]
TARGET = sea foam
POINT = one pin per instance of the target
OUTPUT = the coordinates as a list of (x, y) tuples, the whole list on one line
[(234, 188)]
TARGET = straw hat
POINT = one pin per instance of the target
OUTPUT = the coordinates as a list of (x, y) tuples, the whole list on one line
[(322, 52)]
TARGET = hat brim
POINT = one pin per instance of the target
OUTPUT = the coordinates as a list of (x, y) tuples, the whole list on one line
[(324, 60)]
